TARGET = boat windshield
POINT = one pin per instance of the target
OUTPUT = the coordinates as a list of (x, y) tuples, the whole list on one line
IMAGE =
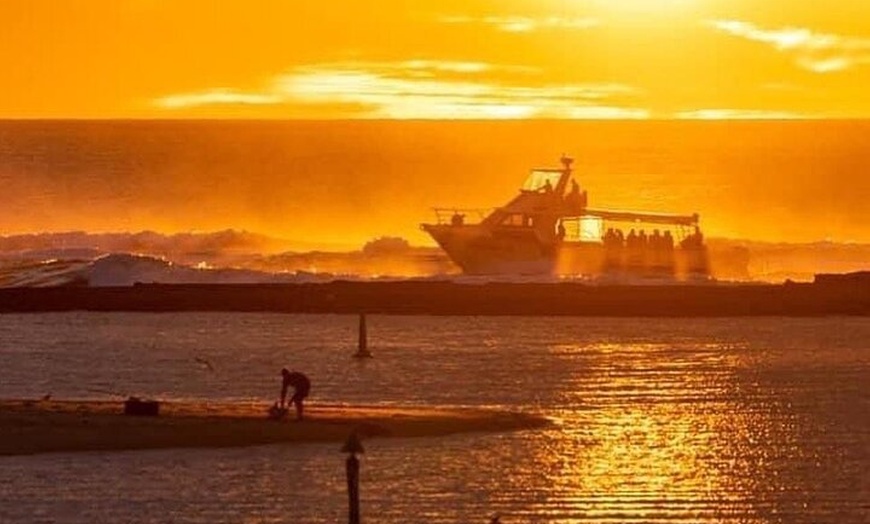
[(538, 178)]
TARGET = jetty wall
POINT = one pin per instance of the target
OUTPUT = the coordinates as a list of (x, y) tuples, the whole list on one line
[(825, 296)]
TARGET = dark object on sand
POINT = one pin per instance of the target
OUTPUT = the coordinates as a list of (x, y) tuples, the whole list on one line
[(276, 412), (141, 408)]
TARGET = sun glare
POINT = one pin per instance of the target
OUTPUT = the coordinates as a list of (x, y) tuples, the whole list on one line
[(514, 59), (643, 7)]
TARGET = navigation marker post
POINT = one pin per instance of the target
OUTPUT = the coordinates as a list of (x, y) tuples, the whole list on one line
[(363, 339), (353, 446)]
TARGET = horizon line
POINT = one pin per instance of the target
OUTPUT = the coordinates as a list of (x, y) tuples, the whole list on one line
[(270, 236), (802, 118)]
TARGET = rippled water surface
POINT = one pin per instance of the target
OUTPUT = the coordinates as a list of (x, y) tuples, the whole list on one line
[(751, 420)]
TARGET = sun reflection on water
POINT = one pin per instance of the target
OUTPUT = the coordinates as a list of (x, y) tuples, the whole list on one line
[(647, 432)]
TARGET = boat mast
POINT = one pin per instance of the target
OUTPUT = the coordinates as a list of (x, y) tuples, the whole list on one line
[(566, 174)]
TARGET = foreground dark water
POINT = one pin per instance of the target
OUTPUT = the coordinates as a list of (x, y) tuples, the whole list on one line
[(752, 420)]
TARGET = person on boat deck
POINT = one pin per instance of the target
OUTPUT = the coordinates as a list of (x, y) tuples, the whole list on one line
[(631, 239), (668, 241), (301, 387), (655, 241), (572, 199), (548, 187), (561, 231)]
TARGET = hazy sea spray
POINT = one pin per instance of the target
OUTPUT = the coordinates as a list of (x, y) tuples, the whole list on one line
[(345, 182), (121, 259)]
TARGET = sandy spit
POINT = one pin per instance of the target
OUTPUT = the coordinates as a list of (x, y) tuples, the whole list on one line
[(29, 426)]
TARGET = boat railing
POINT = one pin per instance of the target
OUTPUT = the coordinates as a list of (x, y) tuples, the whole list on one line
[(648, 218), (459, 216)]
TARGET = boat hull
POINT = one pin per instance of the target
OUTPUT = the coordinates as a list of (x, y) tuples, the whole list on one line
[(478, 251), (481, 251)]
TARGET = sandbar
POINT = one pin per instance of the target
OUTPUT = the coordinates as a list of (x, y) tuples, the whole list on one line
[(43, 426)]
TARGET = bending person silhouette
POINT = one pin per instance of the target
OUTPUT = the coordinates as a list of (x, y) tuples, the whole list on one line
[(301, 387)]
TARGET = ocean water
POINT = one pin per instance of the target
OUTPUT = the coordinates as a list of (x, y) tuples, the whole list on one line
[(678, 420), (343, 183)]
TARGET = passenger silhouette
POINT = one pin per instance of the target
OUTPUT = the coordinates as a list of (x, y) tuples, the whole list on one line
[(301, 387), (631, 239), (574, 195), (694, 240), (655, 240), (574, 199), (668, 241)]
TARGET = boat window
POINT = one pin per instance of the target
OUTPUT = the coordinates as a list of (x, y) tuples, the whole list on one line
[(514, 219), (591, 229), (583, 229), (537, 180)]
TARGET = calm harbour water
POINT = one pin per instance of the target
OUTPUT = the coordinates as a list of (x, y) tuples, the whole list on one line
[(678, 420)]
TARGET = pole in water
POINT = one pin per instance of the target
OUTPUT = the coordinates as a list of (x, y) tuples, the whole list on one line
[(352, 446), (362, 350)]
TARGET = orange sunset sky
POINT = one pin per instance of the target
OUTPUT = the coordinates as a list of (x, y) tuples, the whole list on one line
[(435, 59)]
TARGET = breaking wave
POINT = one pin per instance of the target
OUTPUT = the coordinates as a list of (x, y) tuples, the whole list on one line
[(123, 269), (232, 257)]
